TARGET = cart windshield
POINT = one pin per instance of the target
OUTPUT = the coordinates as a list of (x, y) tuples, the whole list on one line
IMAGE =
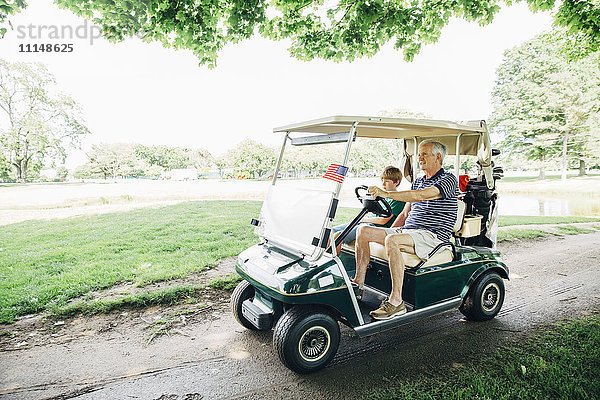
[(295, 218)]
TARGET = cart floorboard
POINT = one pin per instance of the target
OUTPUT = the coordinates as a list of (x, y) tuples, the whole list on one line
[(371, 300)]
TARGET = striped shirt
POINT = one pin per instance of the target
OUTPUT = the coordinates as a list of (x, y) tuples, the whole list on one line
[(437, 216)]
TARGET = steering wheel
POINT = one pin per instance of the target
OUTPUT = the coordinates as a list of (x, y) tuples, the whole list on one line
[(377, 206)]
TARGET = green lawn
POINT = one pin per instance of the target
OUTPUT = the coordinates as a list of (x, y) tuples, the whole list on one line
[(509, 220), (562, 363), (548, 178), (44, 264)]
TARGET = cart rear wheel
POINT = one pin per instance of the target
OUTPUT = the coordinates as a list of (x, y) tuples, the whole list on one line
[(485, 298), (306, 339), (242, 292)]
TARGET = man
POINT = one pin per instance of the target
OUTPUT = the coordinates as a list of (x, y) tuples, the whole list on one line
[(426, 221)]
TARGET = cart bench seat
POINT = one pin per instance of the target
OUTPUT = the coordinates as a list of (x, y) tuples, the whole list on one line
[(410, 260)]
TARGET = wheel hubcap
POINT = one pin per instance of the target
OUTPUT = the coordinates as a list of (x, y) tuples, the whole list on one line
[(314, 344), (490, 297)]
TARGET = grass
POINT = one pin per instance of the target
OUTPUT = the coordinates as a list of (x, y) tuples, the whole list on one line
[(573, 230), (44, 264), (520, 234), (509, 220), (548, 177), (561, 363), (167, 296)]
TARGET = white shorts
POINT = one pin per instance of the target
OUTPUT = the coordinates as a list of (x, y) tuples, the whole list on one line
[(425, 241)]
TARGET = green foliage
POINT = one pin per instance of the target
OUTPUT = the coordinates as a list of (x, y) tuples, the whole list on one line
[(252, 158), (5, 169), (561, 363), (115, 159), (338, 30), (44, 264), (168, 296), (41, 123), (546, 107), (7, 8), (86, 172), (368, 156), (518, 234), (509, 220), (225, 283), (135, 160), (175, 157), (582, 20), (573, 230), (375, 154)]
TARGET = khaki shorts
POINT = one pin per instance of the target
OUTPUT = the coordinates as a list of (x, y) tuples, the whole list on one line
[(425, 241)]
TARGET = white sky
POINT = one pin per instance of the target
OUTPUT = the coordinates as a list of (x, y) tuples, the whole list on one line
[(144, 93)]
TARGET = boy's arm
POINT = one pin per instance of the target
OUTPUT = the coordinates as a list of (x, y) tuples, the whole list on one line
[(399, 222), (376, 220)]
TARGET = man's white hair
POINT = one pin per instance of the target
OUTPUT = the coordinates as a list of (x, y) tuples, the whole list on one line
[(436, 148)]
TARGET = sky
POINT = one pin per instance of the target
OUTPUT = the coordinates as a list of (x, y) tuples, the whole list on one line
[(145, 93)]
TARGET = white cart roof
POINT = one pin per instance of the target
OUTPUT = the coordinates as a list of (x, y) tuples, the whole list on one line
[(474, 135)]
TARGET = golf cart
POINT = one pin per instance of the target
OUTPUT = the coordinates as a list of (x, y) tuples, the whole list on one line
[(295, 283)]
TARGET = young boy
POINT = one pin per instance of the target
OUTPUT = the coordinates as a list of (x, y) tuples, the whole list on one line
[(390, 179)]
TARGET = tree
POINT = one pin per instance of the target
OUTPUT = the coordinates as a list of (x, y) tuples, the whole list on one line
[(373, 155), (5, 169), (251, 157), (39, 124), (175, 157), (115, 160), (544, 105), (333, 30)]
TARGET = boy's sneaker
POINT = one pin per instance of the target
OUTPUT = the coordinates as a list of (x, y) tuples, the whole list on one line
[(387, 311)]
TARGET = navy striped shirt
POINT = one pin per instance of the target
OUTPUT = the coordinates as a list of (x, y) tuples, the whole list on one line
[(437, 216)]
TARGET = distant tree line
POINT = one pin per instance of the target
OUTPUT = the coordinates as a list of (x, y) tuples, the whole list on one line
[(112, 160), (249, 159), (255, 160)]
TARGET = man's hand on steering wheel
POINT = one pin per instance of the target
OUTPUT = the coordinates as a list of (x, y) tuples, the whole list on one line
[(375, 204), (377, 192)]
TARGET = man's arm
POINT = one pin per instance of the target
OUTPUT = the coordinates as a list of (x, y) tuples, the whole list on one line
[(409, 196)]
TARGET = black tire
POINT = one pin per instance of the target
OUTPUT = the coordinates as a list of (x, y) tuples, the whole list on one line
[(484, 299), (241, 293), (306, 339)]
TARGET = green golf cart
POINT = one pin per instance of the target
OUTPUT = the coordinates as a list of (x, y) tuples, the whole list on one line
[(295, 283)]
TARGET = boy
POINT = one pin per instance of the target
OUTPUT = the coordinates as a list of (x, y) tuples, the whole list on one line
[(390, 179)]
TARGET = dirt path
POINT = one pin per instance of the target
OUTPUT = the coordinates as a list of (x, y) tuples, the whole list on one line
[(208, 355)]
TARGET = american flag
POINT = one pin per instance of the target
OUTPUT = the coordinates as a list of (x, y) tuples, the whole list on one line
[(336, 173)]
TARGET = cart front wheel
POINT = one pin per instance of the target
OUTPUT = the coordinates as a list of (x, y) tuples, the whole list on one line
[(306, 340), (242, 292), (485, 298)]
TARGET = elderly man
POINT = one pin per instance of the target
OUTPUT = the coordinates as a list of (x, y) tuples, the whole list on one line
[(426, 221)]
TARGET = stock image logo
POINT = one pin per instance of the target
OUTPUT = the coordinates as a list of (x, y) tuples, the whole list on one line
[(55, 38)]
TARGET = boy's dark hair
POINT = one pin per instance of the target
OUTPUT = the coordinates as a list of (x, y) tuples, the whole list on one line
[(392, 173)]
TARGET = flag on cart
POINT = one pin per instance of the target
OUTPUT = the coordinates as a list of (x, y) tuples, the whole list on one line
[(336, 173)]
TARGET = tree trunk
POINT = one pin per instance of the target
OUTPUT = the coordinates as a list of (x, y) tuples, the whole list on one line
[(563, 163), (542, 173), (581, 167), (21, 167)]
